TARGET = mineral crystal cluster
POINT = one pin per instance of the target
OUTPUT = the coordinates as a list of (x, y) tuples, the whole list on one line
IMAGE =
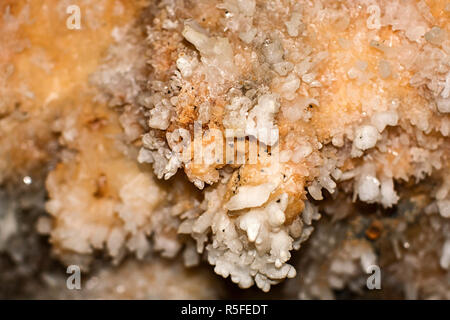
[(293, 146)]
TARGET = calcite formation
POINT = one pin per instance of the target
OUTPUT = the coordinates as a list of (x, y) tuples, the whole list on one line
[(269, 139)]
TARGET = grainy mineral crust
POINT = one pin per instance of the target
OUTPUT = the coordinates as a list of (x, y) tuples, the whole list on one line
[(268, 139)]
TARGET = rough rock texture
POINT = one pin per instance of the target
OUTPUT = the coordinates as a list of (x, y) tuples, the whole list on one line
[(300, 109)]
